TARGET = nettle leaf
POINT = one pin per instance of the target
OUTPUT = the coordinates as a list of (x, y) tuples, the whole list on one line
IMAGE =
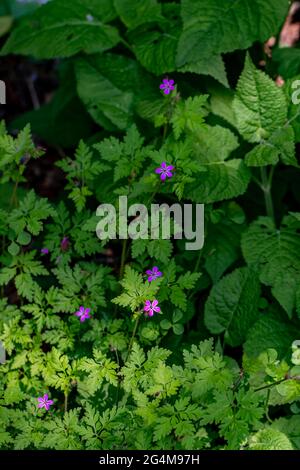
[(270, 439), (275, 252), (260, 106), (213, 66), (270, 331), (155, 47), (232, 305), (222, 247), (218, 177), (62, 29), (136, 12), (108, 105), (222, 27), (280, 145)]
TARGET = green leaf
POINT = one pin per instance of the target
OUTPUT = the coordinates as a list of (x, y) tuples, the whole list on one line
[(280, 144), (270, 439), (156, 48), (220, 26), (232, 305), (62, 29), (259, 105), (275, 252), (24, 238), (213, 66), (136, 12), (108, 105), (219, 178), (189, 115), (13, 249), (222, 247), (270, 332), (178, 297), (5, 24)]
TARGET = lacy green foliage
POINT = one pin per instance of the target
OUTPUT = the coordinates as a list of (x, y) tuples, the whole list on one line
[(219, 367)]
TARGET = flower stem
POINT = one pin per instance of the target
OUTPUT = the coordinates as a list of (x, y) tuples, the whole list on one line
[(132, 337), (123, 258), (66, 402), (270, 385)]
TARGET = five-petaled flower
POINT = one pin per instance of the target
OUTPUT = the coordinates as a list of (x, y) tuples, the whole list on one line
[(44, 251), (167, 86), (151, 307), (44, 402), (83, 313), (153, 273), (164, 171)]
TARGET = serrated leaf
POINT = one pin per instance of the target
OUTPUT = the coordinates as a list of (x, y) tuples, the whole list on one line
[(62, 29), (275, 252), (232, 305), (223, 27), (218, 177), (108, 105), (259, 105)]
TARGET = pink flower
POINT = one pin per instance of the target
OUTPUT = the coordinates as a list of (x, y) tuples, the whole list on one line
[(83, 313), (153, 273), (44, 402), (164, 171), (167, 86), (151, 307)]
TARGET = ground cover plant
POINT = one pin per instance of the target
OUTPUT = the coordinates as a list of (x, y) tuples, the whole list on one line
[(141, 343)]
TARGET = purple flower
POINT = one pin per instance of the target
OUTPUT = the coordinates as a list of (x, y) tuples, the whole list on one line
[(153, 273), (83, 313), (164, 171), (167, 85), (45, 251), (151, 307), (44, 402), (89, 17), (64, 245)]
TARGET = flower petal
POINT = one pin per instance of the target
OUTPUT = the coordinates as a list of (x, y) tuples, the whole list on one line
[(156, 309), (163, 176), (154, 303)]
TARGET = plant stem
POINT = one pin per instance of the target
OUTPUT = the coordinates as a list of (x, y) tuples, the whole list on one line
[(123, 258), (267, 406), (14, 196), (266, 187), (270, 385), (66, 402), (132, 337)]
